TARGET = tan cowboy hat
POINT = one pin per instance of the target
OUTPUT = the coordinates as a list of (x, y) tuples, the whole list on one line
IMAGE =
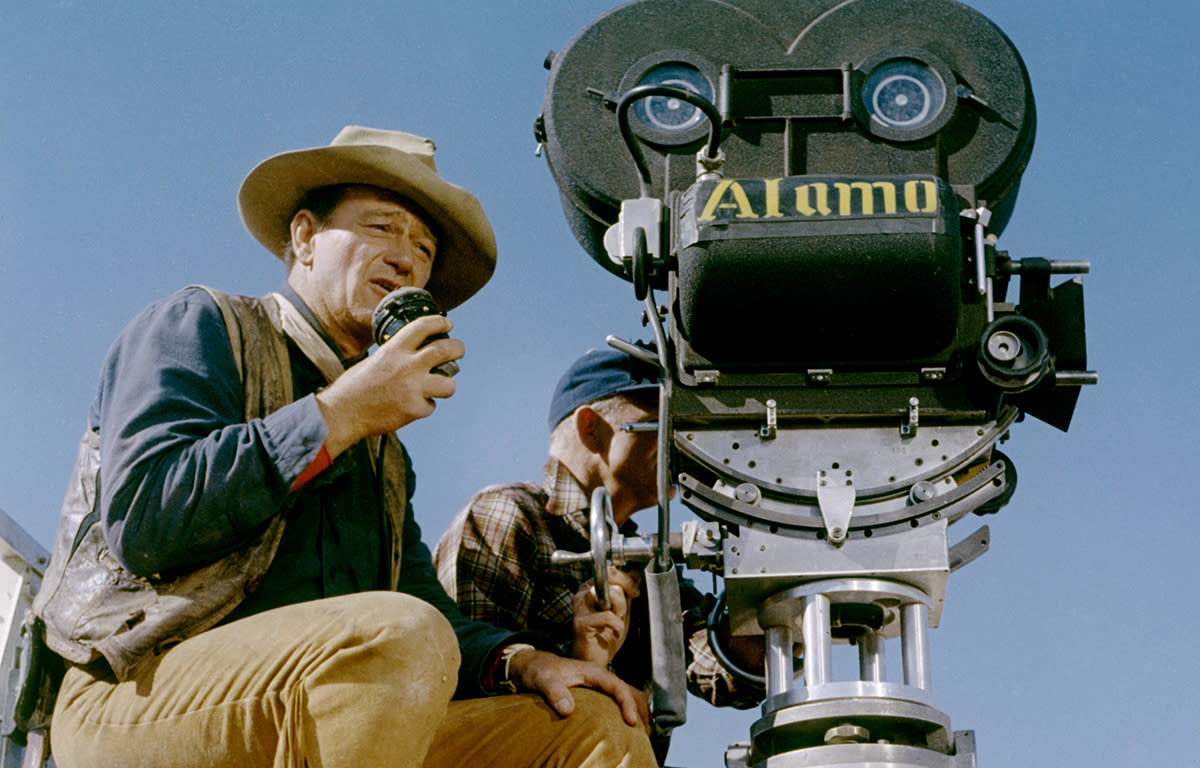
[(400, 162)]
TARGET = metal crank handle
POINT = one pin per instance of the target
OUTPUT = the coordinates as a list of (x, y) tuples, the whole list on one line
[(607, 548)]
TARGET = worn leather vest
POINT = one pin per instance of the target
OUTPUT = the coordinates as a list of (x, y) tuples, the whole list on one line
[(92, 607)]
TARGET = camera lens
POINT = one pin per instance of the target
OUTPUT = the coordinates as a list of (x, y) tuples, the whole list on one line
[(401, 307), (904, 94), (669, 115)]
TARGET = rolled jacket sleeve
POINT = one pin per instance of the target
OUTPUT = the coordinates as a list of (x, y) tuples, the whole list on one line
[(184, 478)]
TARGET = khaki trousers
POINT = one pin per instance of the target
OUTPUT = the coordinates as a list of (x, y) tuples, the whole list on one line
[(361, 681)]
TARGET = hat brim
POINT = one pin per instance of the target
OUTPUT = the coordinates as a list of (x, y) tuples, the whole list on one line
[(274, 190)]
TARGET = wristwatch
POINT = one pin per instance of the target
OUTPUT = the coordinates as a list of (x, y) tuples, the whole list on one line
[(505, 682)]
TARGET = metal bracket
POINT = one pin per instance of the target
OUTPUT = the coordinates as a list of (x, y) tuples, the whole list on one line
[(909, 428), (970, 548), (767, 431), (835, 497), (819, 376), (701, 545), (982, 217), (620, 240)]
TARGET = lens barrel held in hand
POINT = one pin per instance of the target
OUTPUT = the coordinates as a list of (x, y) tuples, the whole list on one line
[(401, 307)]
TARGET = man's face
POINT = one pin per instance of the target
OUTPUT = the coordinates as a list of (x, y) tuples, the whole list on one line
[(632, 463), (370, 245)]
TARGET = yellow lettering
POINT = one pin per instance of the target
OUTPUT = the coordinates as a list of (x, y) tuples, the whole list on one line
[(740, 202), (845, 197), (729, 198), (889, 195), (911, 201), (772, 190), (804, 202)]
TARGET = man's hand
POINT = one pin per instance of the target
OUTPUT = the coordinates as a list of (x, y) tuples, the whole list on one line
[(390, 388), (600, 633), (553, 677)]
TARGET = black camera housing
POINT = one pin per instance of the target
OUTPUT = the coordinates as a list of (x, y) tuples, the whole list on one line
[(835, 262)]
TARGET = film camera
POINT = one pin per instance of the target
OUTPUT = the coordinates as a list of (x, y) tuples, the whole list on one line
[(818, 188)]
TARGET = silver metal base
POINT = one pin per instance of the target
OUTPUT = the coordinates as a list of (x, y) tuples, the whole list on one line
[(871, 722), (876, 756), (962, 755)]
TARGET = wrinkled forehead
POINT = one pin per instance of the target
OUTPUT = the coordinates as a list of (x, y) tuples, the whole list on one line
[(387, 199)]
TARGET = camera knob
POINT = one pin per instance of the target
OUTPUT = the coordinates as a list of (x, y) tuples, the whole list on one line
[(1014, 353)]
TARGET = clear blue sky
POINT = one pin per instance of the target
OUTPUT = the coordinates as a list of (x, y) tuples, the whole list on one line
[(126, 128)]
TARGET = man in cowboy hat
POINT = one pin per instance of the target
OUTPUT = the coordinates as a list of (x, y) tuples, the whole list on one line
[(243, 579)]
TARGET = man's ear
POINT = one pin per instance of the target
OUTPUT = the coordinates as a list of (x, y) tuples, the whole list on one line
[(303, 229), (587, 427)]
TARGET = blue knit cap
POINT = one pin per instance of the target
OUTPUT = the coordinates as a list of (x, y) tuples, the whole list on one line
[(596, 375)]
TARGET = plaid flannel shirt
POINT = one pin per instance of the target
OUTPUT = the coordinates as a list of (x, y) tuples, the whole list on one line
[(494, 560)]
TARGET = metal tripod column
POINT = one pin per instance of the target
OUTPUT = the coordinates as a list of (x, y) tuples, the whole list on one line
[(818, 721)]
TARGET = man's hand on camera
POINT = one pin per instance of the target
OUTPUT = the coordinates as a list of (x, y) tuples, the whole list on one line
[(599, 632), (390, 388), (553, 677)]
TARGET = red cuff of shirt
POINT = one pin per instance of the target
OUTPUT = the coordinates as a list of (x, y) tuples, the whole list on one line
[(319, 465), (492, 672)]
